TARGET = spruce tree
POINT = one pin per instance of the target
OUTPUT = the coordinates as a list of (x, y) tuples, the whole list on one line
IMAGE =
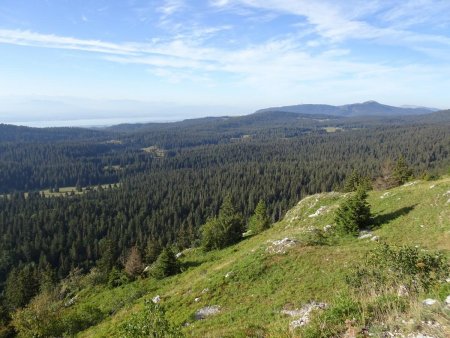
[(223, 230), (166, 264), (354, 214), (259, 221), (402, 173)]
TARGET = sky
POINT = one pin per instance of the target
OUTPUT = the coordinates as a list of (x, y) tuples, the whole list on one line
[(162, 60)]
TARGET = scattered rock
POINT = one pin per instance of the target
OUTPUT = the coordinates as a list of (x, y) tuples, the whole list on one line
[(303, 313), (375, 238), (410, 183), (281, 246), (205, 290), (432, 186), (318, 212), (156, 299), (429, 302), (71, 301), (386, 194), (446, 193), (197, 299), (207, 311), (180, 254), (351, 329), (419, 335), (229, 274), (327, 227), (147, 268), (402, 291), (447, 301), (365, 234)]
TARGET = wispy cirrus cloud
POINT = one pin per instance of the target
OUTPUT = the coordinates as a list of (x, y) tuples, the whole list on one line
[(341, 21), (276, 47), (33, 39)]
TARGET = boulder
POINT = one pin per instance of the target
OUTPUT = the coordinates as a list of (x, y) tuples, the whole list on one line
[(207, 311)]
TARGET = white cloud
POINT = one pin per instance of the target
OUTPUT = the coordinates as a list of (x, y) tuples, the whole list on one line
[(27, 38), (296, 64), (171, 6), (342, 20)]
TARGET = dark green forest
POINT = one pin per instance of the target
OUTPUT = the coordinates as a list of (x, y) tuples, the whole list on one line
[(161, 182)]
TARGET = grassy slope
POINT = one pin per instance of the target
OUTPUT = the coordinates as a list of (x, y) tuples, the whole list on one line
[(261, 284)]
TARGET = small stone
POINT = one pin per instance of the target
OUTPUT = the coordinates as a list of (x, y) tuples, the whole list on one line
[(156, 299), (327, 227), (375, 238), (180, 254), (447, 301), (402, 291), (205, 290), (71, 301), (197, 299), (429, 302), (229, 274)]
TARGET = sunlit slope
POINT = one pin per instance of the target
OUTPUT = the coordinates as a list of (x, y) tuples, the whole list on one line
[(254, 280)]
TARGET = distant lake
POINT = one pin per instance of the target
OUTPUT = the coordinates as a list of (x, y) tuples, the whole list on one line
[(89, 122)]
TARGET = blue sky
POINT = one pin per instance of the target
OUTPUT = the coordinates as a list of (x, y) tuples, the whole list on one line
[(174, 59)]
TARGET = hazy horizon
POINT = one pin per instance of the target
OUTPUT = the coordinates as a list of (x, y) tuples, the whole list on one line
[(178, 59)]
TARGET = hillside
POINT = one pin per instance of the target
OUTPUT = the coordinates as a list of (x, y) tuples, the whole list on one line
[(253, 281), (369, 108)]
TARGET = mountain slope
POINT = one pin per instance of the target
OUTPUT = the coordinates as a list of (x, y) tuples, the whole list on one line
[(369, 108), (253, 281)]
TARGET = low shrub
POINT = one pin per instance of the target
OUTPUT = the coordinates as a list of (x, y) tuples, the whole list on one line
[(149, 323)]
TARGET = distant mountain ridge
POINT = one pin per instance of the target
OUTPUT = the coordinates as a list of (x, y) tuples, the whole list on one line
[(369, 108)]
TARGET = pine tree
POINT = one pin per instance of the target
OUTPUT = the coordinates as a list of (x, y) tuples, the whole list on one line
[(354, 214), (355, 180), (351, 182), (259, 221), (402, 173), (224, 230), (166, 264), (152, 251), (108, 258)]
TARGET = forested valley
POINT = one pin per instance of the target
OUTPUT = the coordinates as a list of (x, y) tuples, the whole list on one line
[(150, 186)]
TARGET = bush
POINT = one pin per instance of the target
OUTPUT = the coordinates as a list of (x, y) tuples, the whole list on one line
[(117, 278), (81, 318), (149, 323), (315, 237), (386, 268), (40, 318), (331, 322)]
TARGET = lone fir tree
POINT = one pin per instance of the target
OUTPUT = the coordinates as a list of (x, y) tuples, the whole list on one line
[(354, 214), (259, 221)]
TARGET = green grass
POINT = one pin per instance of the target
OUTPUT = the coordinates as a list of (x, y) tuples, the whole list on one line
[(261, 284)]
